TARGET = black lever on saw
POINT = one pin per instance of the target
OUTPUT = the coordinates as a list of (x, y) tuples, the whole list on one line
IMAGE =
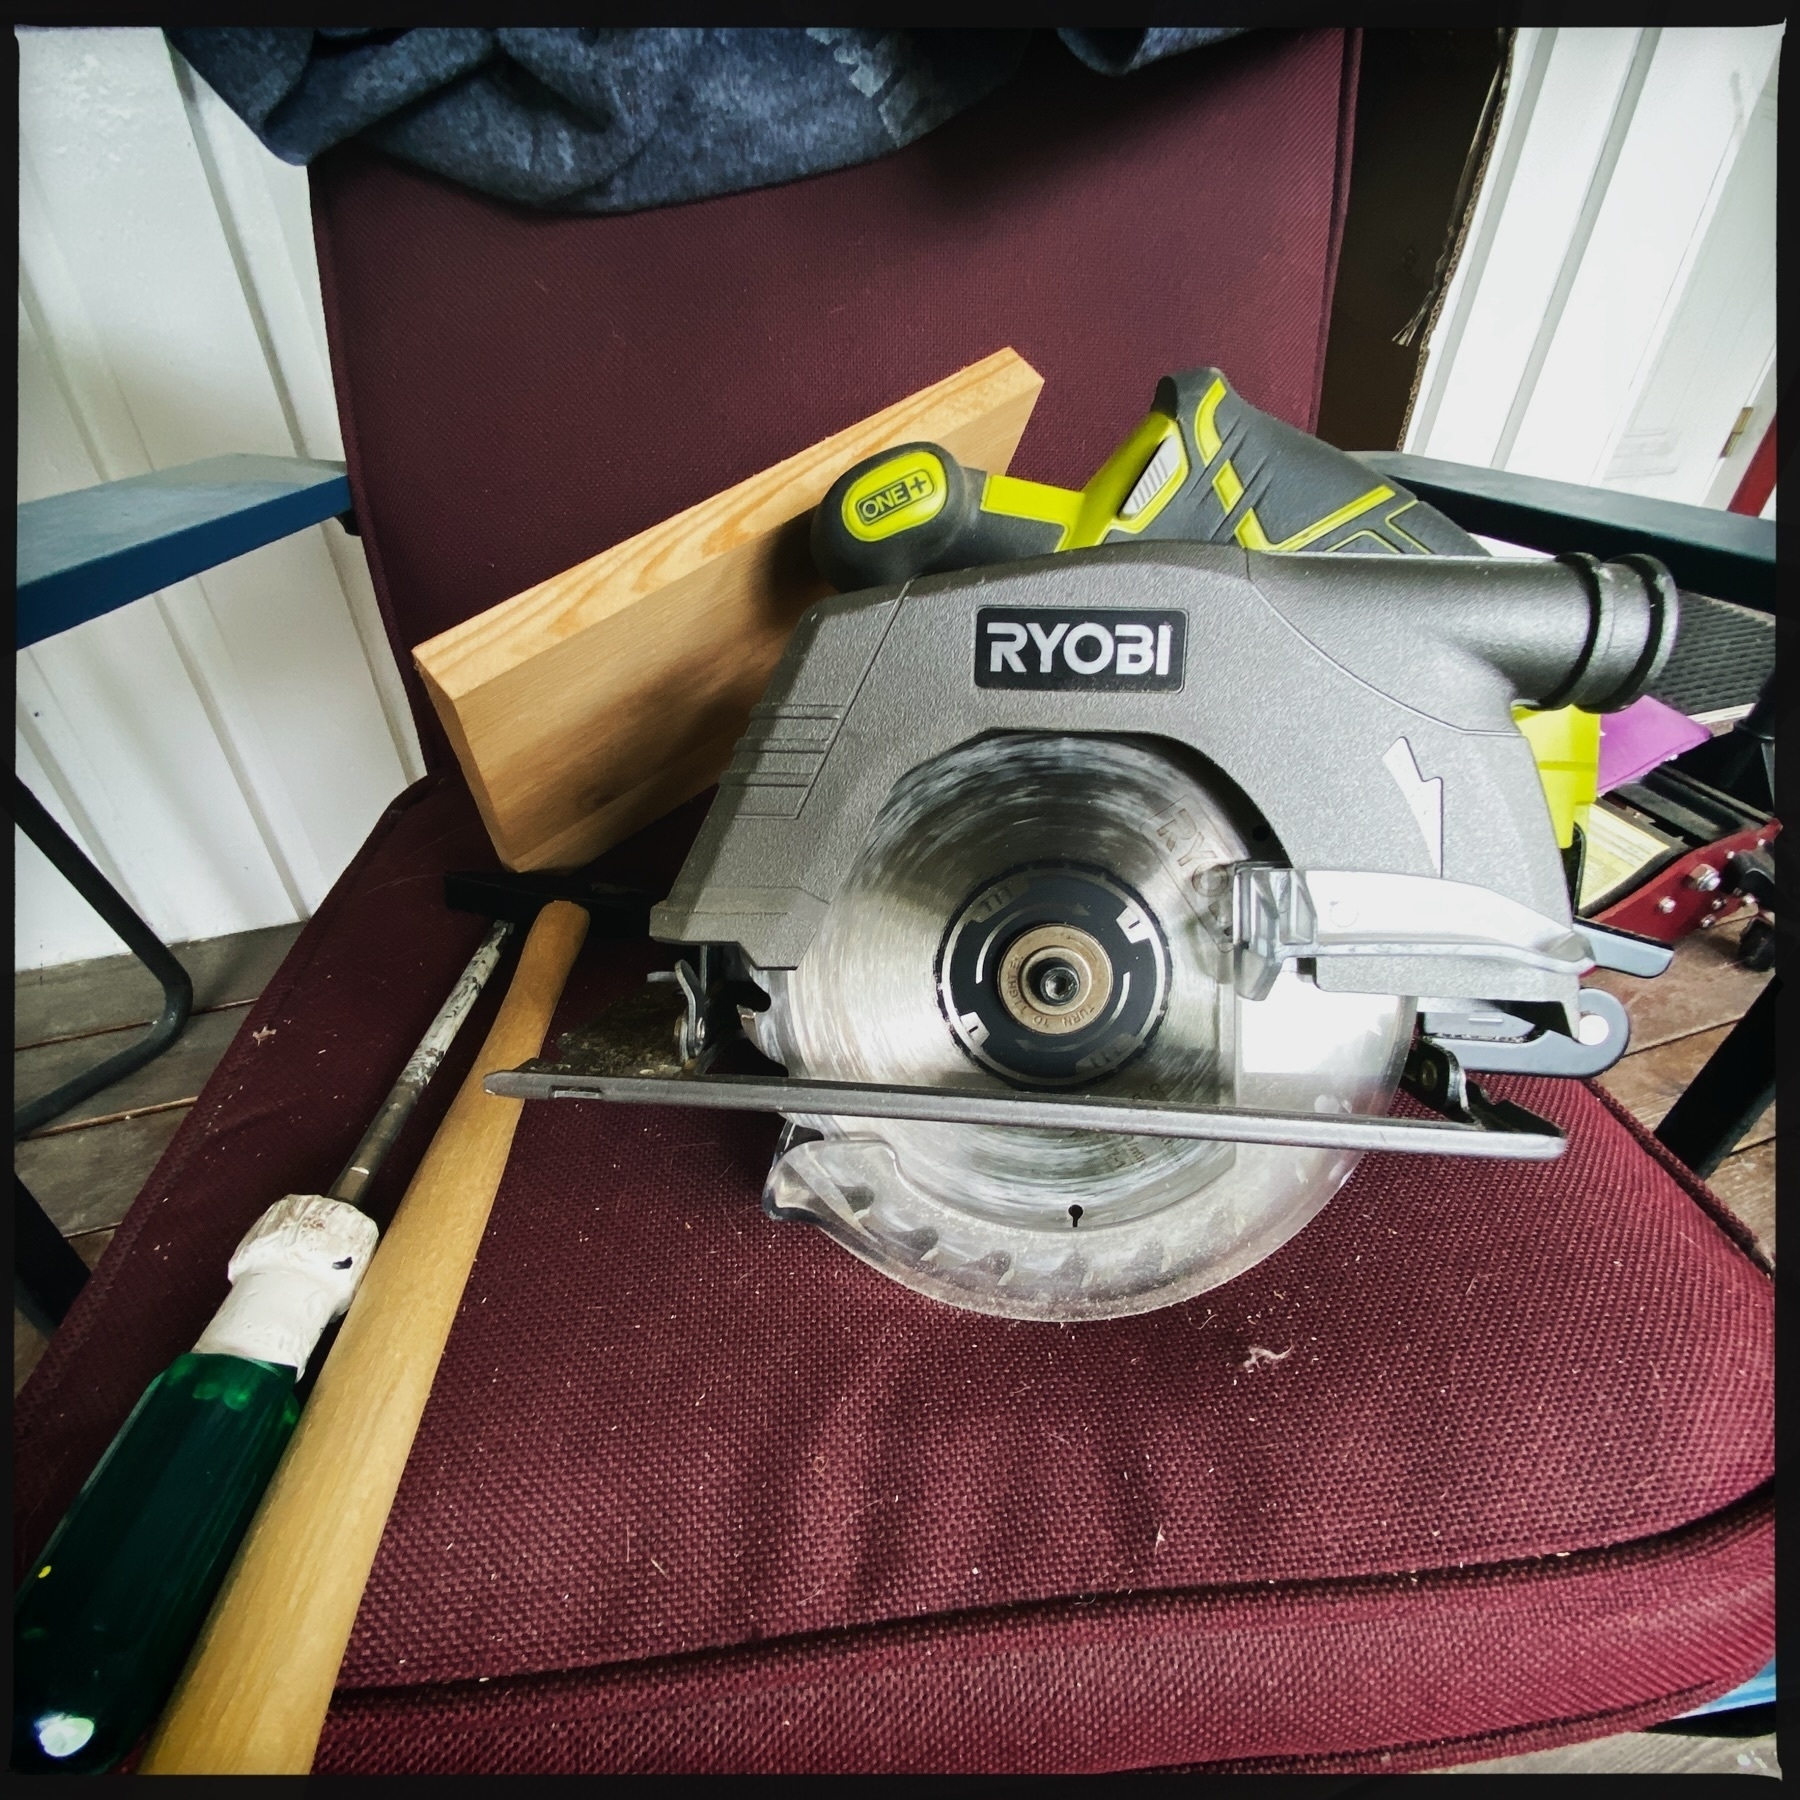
[(1204, 467)]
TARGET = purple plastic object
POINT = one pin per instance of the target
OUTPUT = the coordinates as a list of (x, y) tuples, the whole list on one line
[(1634, 741)]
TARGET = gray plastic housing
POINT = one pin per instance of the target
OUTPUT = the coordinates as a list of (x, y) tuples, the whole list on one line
[(1302, 675)]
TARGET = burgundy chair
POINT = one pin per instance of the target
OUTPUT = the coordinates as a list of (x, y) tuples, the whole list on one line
[(696, 1490)]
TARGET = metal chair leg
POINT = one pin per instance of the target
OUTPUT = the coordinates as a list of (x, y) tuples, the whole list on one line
[(47, 1274), (1727, 1097), (178, 991), (1741, 761)]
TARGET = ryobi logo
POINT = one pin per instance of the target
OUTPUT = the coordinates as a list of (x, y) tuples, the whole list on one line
[(915, 486), (1062, 648), (895, 495)]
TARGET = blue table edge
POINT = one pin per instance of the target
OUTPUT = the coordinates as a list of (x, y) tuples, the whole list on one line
[(1759, 1690)]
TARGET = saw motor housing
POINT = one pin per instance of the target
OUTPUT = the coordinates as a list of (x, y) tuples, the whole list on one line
[(1361, 705), (1348, 718)]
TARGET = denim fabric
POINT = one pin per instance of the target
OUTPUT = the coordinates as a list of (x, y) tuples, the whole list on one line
[(609, 120)]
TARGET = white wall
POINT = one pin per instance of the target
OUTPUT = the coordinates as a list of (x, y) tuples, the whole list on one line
[(222, 748), (1614, 307)]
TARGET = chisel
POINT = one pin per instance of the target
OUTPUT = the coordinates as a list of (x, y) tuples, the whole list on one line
[(107, 1613)]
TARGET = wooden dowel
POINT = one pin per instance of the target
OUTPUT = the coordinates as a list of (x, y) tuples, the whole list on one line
[(255, 1692)]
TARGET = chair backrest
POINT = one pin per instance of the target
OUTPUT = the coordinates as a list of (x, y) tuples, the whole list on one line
[(521, 390)]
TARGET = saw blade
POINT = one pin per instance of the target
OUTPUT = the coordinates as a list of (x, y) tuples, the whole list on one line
[(1051, 913)]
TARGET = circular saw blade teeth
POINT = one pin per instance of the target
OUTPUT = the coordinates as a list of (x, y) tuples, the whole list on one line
[(1115, 838)]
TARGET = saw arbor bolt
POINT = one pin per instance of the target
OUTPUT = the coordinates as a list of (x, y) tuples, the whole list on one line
[(1045, 1002), (1055, 979)]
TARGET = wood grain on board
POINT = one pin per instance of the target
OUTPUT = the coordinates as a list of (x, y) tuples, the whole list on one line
[(594, 702)]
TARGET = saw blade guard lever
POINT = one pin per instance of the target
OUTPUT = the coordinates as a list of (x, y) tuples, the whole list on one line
[(1625, 951), (1500, 1040), (1281, 914)]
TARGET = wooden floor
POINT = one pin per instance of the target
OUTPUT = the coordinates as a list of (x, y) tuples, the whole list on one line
[(86, 1168)]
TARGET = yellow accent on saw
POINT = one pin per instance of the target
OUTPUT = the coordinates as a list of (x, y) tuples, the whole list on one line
[(1251, 535), (1566, 747), (1114, 480), (1399, 530), (897, 495), (1206, 429), (1365, 543), (1037, 500), (1088, 516)]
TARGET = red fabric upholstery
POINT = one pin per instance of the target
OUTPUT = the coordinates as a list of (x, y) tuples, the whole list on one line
[(696, 1490), (699, 1490)]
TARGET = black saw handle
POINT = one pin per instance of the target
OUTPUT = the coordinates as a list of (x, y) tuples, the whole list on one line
[(1204, 466)]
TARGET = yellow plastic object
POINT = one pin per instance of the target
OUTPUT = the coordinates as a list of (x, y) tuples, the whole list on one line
[(1013, 498), (1228, 487), (1566, 744), (1085, 517), (1115, 480), (896, 495)]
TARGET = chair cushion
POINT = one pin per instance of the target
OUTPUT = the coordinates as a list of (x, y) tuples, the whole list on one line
[(698, 1489)]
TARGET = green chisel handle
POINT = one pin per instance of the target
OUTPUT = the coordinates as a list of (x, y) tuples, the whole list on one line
[(106, 1615), (1203, 466)]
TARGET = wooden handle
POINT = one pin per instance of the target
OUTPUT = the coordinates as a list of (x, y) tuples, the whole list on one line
[(254, 1695)]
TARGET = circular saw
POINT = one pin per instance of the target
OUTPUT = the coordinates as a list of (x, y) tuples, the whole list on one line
[(1082, 913)]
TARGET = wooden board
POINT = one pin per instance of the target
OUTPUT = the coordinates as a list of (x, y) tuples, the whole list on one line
[(594, 702)]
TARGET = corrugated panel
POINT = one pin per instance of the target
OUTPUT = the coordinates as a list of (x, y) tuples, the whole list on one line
[(223, 747), (1613, 309)]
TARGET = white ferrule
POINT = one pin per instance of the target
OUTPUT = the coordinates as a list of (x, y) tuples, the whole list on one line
[(296, 1270)]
